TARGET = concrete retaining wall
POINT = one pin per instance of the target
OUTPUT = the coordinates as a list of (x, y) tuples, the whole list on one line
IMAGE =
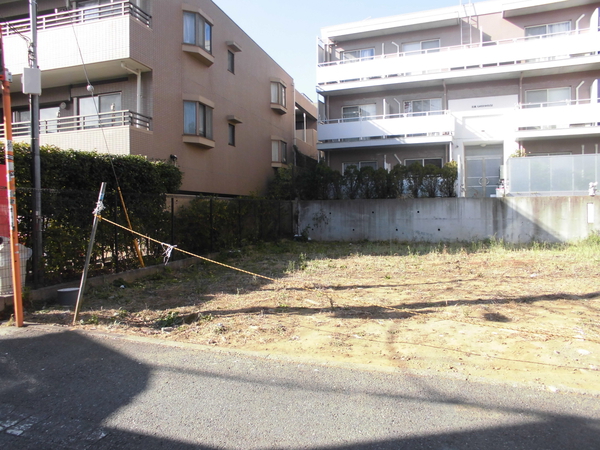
[(513, 219)]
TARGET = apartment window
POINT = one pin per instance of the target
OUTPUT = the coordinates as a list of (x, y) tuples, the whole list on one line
[(231, 134), (359, 165), (422, 107), (91, 13), (548, 30), (230, 61), (279, 151), (278, 93), (356, 55), (197, 119), (100, 110), (547, 97), (278, 97), (357, 112), (421, 47), (21, 116), (437, 162), (197, 31)]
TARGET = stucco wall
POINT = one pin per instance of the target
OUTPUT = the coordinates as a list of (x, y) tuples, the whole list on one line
[(518, 220)]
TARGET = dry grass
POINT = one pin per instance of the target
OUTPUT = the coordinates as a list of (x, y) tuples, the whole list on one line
[(520, 313)]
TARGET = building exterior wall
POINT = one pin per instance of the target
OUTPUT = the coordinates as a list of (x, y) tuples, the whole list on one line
[(482, 76), (171, 73)]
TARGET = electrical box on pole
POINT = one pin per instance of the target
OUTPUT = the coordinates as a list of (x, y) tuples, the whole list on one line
[(32, 81)]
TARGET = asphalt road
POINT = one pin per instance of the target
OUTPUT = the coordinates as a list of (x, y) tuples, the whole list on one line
[(69, 390)]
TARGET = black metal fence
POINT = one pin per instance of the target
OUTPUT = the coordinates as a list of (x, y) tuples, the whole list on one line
[(199, 225)]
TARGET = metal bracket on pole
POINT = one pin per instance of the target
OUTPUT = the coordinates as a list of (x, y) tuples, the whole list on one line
[(88, 256)]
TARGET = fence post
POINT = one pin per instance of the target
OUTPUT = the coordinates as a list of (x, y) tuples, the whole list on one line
[(116, 242), (210, 220), (239, 222), (172, 220), (279, 218)]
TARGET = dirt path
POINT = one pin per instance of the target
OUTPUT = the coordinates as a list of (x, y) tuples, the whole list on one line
[(527, 316)]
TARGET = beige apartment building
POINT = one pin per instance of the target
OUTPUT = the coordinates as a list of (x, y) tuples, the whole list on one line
[(476, 83), (171, 80)]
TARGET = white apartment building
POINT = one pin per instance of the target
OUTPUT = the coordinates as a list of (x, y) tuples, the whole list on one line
[(477, 83)]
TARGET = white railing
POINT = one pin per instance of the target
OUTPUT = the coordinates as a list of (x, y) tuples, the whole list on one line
[(82, 123), (577, 115), (504, 52), (392, 126), (75, 16)]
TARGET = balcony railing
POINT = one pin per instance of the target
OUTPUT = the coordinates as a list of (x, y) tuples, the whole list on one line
[(82, 123), (75, 16), (567, 117), (552, 175), (507, 52), (422, 126)]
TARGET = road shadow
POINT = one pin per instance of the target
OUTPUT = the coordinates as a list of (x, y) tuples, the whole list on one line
[(57, 389)]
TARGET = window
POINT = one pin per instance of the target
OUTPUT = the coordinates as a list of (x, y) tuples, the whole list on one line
[(357, 55), (352, 113), (230, 61), (278, 97), (91, 13), (437, 162), (279, 151), (197, 119), (359, 165), (422, 107), (197, 31), (21, 116), (231, 135), (48, 119), (548, 30), (547, 97), (278, 93), (421, 47), (100, 110)]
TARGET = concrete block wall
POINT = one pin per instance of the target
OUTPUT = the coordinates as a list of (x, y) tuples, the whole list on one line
[(513, 219)]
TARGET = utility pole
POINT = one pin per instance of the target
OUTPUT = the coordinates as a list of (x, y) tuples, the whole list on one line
[(34, 103)]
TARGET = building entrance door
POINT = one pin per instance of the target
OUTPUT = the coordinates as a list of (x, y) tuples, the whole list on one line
[(482, 170)]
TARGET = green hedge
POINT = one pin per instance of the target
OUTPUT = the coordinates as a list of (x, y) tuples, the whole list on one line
[(70, 183), (323, 183)]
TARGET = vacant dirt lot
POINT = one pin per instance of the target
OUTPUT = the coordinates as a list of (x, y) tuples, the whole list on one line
[(515, 314)]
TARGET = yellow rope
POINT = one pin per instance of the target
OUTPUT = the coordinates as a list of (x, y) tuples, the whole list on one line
[(186, 252)]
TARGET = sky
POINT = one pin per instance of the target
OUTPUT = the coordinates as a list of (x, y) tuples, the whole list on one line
[(288, 30)]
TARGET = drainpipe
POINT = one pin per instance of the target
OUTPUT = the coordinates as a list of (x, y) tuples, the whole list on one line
[(138, 73), (521, 88), (397, 48), (577, 92), (577, 23), (445, 106)]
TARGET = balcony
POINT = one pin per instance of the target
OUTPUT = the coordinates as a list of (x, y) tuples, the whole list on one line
[(550, 120), (397, 129), (490, 60), (101, 37), (104, 132)]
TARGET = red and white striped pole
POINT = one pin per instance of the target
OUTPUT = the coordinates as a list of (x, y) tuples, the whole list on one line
[(11, 190)]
